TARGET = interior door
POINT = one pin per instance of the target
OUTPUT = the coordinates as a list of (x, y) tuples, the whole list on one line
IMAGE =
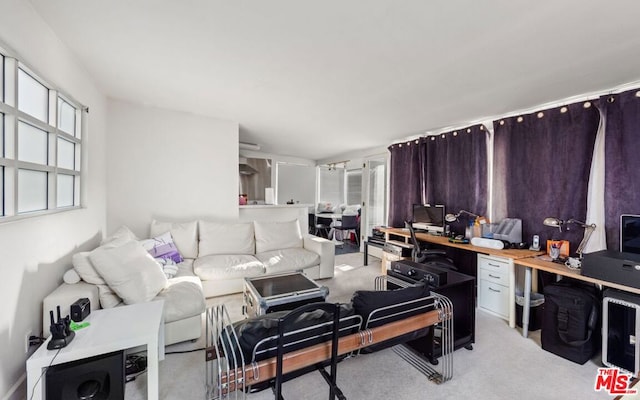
[(374, 205)]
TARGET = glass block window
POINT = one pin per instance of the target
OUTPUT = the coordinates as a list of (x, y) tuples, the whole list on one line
[(32, 190), (66, 117), (40, 143), (66, 154), (1, 78), (2, 135), (65, 190), (1, 190), (32, 144), (33, 97)]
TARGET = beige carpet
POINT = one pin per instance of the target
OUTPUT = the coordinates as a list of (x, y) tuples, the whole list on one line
[(503, 364)]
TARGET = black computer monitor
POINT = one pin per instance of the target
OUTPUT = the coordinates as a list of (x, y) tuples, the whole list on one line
[(428, 217), (630, 233)]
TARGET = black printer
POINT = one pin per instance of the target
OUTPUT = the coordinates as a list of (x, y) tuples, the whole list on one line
[(613, 266)]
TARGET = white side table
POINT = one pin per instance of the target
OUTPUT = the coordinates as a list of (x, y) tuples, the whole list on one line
[(110, 330)]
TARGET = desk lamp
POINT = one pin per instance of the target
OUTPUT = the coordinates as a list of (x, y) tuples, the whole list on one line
[(454, 217), (588, 230)]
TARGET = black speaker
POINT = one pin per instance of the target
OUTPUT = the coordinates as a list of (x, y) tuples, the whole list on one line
[(80, 309), (96, 378)]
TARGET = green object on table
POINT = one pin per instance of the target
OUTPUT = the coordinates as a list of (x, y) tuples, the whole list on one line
[(77, 326)]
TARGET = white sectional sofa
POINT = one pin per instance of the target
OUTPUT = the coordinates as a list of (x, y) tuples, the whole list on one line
[(230, 252), (217, 256)]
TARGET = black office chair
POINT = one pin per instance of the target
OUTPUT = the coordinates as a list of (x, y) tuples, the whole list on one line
[(435, 257), (349, 223), (322, 226)]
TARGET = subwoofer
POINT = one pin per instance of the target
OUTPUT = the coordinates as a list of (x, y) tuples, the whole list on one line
[(96, 378)]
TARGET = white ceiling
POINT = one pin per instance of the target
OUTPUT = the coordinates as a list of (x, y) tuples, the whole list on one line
[(317, 78)]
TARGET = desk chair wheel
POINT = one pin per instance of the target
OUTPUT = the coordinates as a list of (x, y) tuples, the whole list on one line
[(469, 347), (433, 361)]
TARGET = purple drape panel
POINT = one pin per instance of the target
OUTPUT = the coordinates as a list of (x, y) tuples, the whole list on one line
[(622, 160), (541, 169), (405, 181), (449, 169), (456, 171)]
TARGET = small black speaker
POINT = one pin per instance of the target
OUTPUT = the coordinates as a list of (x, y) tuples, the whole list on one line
[(80, 309), (96, 378)]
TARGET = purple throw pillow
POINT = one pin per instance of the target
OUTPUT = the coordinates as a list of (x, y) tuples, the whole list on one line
[(162, 247)]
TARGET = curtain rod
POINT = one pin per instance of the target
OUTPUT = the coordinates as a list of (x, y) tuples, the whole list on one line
[(556, 103)]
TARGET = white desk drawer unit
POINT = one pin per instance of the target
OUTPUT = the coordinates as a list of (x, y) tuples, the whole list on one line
[(494, 285)]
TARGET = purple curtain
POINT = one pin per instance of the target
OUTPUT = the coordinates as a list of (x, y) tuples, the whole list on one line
[(405, 181), (449, 169), (455, 171), (622, 160), (542, 163)]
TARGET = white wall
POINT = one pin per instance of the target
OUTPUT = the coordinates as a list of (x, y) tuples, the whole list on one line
[(169, 165), (296, 182), (354, 158), (289, 188), (36, 251)]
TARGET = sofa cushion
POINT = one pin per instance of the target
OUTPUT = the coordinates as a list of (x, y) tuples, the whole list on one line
[(185, 235), (183, 298), (84, 268), (185, 268), (276, 261), (226, 238), (227, 266), (277, 235), (130, 271)]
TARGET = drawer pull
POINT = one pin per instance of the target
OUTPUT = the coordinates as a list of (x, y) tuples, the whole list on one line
[(495, 265), (494, 290), (493, 276)]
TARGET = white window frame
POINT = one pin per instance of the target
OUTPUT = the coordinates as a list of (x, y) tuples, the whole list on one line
[(10, 165)]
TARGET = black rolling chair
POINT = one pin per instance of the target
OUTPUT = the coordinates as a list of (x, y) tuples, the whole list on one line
[(322, 226), (436, 257), (349, 223)]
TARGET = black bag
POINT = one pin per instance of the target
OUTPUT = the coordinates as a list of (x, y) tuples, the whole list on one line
[(571, 321)]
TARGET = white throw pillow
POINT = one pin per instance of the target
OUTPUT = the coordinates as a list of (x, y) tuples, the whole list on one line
[(351, 210), (71, 277), (185, 235), (325, 207), (82, 265), (121, 236), (226, 238), (85, 269), (130, 271), (277, 235)]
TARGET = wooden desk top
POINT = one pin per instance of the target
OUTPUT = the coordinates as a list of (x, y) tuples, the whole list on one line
[(525, 258), (514, 254), (560, 269)]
